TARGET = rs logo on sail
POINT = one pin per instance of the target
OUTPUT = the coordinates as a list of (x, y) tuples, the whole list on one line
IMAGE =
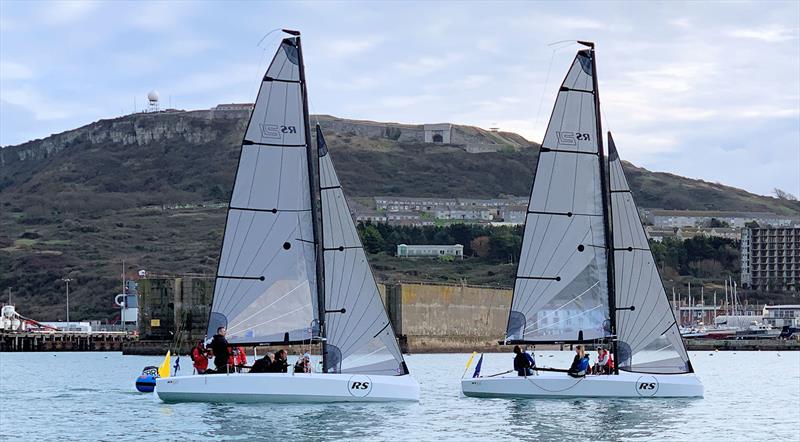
[(572, 138), (647, 386), (276, 130)]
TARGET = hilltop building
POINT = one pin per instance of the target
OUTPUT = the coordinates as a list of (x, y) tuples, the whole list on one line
[(770, 258), (437, 133), (456, 250)]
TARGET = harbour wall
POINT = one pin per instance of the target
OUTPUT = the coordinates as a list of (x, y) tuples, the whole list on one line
[(427, 318)]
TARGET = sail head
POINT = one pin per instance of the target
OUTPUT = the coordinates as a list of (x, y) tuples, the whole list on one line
[(561, 290), (358, 334), (649, 339), (265, 291)]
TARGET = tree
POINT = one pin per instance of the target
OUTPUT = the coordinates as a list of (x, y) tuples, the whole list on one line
[(782, 195), (372, 239)]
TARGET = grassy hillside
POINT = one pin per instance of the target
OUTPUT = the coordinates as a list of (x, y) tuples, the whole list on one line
[(130, 188)]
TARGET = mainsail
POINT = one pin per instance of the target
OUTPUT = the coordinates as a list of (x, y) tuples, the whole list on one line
[(266, 289), (358, 335), (561, 292), (648, 336)]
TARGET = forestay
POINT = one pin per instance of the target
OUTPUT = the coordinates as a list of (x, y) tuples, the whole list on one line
[(359, 336), (265, 289), (561, 290), (649, 339)]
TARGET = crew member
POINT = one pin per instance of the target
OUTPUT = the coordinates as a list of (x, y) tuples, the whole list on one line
[(523, 362), (580, 364), (222, 352), (199, 358)]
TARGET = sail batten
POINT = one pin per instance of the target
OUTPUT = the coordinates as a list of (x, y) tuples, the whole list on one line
[(561, 289), (649, 337), (266, 285)]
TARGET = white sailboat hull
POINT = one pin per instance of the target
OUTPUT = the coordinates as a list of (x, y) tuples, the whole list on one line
[(286, 387), (560, 385)]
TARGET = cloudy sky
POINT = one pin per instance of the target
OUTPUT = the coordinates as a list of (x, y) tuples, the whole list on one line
[(708, 90)]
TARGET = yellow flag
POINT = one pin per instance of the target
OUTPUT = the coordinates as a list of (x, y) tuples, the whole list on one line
[(469, 362), (163, 370)]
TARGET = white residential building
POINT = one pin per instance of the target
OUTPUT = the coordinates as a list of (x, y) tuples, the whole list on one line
[(408, 251)]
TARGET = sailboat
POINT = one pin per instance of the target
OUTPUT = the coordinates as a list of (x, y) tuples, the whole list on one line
[(292, 269), (586, 274)]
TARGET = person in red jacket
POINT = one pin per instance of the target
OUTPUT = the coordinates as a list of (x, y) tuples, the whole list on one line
[(238, 358), (199, 358)]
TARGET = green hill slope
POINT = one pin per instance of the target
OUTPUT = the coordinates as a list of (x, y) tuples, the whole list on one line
[(130, 188)]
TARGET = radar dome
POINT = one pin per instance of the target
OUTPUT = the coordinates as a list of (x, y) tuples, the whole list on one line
[(152, 95)]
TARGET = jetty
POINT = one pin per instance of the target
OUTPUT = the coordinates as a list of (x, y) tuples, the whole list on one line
[(63, 341)]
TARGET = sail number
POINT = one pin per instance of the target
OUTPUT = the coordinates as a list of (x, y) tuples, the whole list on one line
[(276, 130), (572, 138)]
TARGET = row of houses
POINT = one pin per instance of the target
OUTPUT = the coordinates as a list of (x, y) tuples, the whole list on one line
[(699, 218)]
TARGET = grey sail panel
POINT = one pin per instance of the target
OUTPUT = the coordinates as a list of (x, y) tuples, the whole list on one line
[(359, 339), (266, 282), (649, 338), (561, 290)]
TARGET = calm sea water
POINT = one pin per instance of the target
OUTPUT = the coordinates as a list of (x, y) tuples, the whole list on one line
[(750, 396)]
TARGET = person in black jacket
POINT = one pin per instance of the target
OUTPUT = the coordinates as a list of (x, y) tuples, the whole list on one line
[(262, 365), (220, 348), (522, 362), (279, 365)]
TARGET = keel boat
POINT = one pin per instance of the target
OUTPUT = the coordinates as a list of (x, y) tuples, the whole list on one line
[(292, 268), (586, 274)]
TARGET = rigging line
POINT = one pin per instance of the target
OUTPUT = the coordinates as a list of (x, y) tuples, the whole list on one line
[(563, 305), (276, 318), (269, 305), (367, 355), (233, 241), (567, 319), (544, 90), (363, 311), (552, 255), (647, 319), (238, 256), (353, 311), (263, 270), (648, 337), (643, 273), (529, 379), (340, 266), (358, 339)]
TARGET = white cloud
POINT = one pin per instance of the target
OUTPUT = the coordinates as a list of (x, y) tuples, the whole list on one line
[(341, 48), (426, 65), (41, 106), (66, 11), (771, 34), (14, 71)]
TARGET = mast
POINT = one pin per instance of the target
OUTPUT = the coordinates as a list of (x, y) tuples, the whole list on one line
[(605, 192), (316, 217)]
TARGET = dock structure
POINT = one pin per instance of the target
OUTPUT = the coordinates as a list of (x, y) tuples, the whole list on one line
[(63, 341)]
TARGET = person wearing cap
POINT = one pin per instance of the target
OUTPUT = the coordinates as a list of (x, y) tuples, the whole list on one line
[(303, 365)]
